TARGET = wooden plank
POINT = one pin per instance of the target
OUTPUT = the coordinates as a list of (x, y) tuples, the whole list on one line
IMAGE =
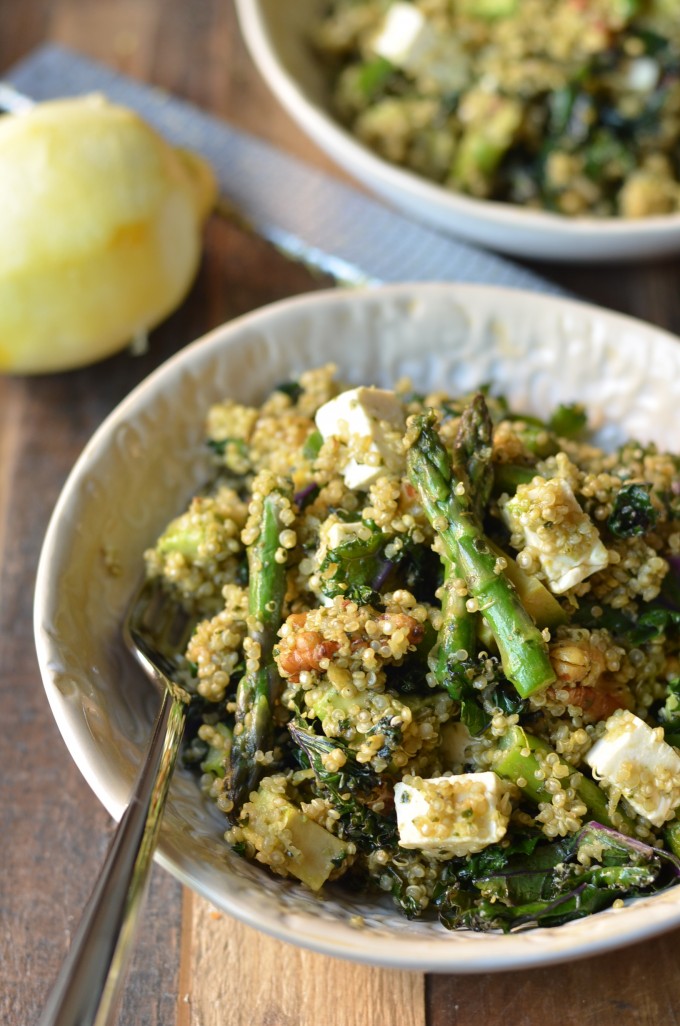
[(638, 986), (231, 973), (122, 35), (22, 26)]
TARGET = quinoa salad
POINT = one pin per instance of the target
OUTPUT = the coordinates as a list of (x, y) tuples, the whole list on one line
[(436, 650), (571, 106)]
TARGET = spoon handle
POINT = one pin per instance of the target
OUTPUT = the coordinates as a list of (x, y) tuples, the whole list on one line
[(89, 981)]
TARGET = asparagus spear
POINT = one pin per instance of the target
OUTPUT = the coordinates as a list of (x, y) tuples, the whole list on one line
[(448, 505), (472, 453), (259, 687), (520, 760), (457, 640), (508, 476)]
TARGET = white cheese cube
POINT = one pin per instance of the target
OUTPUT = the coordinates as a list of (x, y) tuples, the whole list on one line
[(360, 476), (633, 758), (408, 41), (340, 532), (566, 542), (643, 74), (455, 815), (404, 35), (359, 411), (371, 422)]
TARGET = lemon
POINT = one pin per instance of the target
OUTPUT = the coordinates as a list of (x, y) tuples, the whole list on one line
[(100, 232)]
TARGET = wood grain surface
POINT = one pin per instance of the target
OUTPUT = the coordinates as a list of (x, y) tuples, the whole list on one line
[(193, 966)]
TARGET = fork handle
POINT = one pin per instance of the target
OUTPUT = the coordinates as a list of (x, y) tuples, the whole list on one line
[(89, 982)]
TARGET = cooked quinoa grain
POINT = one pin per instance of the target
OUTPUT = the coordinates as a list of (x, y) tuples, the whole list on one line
[(429, 659)]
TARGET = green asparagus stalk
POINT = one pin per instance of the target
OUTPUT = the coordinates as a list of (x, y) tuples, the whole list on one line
[(457, 640), (520, 760), (509, 476), (671, 834), (472, 453), (259, 687), (448, 505)]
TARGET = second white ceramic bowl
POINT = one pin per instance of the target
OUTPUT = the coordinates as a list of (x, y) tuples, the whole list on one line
[(277, 36)]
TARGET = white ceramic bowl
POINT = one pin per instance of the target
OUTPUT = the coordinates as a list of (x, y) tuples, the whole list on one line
[(276, 34), (141, 466)]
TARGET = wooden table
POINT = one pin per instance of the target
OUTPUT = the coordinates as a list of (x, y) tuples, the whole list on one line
[(194, 966)]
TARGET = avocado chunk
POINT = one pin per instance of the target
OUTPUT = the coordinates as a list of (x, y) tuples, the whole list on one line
[(288, 840), (540, 604)]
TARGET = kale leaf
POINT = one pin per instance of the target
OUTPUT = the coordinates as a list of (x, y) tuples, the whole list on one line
[(633, 513), (568, 420), (293, 389), (358, 569), (549, 883), (347, 789), (655, 621), (351, 568)]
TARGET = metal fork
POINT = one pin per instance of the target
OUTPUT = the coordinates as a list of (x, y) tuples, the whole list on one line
[(92, 974)]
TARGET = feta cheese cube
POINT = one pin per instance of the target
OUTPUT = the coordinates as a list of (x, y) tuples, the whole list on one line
[(643, 74), (371, 422), (409, 41), (566, 542), (404, 36), (455, 815), (340, 532), (633, 758), (360, 476)]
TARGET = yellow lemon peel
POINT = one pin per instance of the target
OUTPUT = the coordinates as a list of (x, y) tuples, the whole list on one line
[(100, 231)]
